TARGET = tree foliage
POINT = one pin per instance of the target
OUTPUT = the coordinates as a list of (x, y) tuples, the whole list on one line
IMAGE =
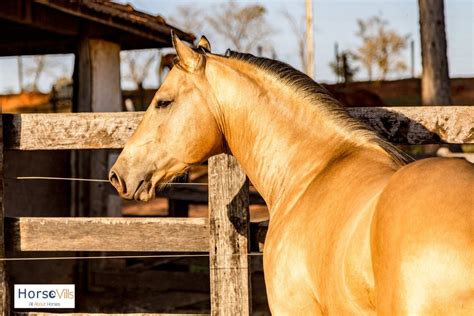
[(189, 18), (298, 29), (381, 48), (36, 67), (243, 27), (138, 64)]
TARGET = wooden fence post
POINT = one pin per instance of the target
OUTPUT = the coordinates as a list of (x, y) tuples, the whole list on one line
[(229, 237), (4, 301), (97, 89)]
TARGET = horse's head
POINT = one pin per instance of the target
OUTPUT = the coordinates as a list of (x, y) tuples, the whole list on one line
[(177, 130)]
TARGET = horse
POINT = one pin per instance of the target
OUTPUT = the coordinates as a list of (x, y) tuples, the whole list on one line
[(355, 226)]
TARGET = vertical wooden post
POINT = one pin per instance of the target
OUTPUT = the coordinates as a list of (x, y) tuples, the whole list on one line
[(412, 58), (4, 301), (309, 39), (96, 89), (229, 238)]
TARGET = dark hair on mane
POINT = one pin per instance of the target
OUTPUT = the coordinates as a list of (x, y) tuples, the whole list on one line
[(317, 94), (286, 73)]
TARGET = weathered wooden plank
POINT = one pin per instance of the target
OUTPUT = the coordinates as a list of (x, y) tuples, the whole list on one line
[(229, 237), (107, 234), (100, 314), (420, 125), (411, 125), (69, 130), (4, 305)]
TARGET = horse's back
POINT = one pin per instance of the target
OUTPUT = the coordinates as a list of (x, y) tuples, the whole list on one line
[(423, 240)]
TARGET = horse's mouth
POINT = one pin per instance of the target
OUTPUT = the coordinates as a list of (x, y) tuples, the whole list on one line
[(146, 188), (143, 191)]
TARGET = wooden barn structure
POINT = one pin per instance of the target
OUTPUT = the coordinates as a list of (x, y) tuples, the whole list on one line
[(95, 32)]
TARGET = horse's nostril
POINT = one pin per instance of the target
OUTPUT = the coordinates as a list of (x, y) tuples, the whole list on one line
[(117, 182), (113, 178)]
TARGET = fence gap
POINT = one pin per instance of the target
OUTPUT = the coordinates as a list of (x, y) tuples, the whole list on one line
[(229, 237)]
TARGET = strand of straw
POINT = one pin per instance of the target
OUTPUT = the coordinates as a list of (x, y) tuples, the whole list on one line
[(92, 180)]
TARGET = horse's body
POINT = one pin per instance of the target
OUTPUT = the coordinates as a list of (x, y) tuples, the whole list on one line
[(392, 242), (352, 229)]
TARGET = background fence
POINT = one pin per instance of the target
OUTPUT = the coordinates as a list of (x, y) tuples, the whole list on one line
[(224, 235)]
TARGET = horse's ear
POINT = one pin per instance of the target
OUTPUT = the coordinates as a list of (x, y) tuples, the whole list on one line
[(189, 59), (204, 44)]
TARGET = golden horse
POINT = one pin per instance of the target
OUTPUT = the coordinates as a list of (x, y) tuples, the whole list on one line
[(353, 228)]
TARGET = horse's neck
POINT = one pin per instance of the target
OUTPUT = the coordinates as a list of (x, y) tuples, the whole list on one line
[(280, 141)]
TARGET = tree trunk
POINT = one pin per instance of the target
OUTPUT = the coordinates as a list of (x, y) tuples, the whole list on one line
[(435, 88), (20, 73)]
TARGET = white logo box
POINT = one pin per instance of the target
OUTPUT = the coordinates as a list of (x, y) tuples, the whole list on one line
[(34, 296)]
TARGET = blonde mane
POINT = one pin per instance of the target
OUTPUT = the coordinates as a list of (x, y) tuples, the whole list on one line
[(322, 98)]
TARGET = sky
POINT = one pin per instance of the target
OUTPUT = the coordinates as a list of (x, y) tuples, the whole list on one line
[(335, 21)]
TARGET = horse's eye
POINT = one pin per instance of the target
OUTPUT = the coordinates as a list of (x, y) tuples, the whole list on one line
[(162, 103)]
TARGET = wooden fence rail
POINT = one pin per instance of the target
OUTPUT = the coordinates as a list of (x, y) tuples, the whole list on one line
[(99, 314), (404, 125), (225, 235), (25, 234), (107, 234)]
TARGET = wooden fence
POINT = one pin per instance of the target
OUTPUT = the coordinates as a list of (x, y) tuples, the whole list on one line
[(225, 235)]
